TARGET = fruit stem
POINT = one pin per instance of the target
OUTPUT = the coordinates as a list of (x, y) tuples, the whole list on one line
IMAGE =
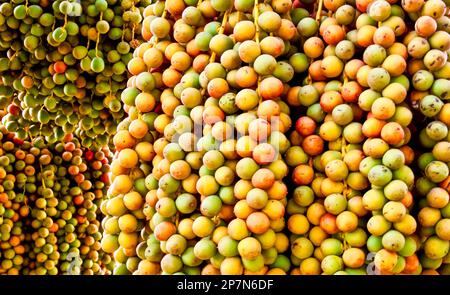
[(162, 16), (216, 220), (96, 44), (257, 89), (344, 147), (346, 245), (319, 10), (16, 53), (221, 29), (177, 219), (65, 21), (344, 77), (31, 136), (318, 15), (42, 178), (98, 37), (255, 20), (343, 152)]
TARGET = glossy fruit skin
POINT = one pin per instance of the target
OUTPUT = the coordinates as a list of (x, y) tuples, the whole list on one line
[(73, 72), (75, 161), (348, 154)]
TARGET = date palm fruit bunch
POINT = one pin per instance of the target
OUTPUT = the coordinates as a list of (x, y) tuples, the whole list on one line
[(63, 63), (204, 159), (64, 209), (50, 207), (213, 202), (387, 154), (16, 166), (241, 177), (211, 101), (126, 228), (326, 213), (428, 46), (349, 149), (98, 173), (322, 226)]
